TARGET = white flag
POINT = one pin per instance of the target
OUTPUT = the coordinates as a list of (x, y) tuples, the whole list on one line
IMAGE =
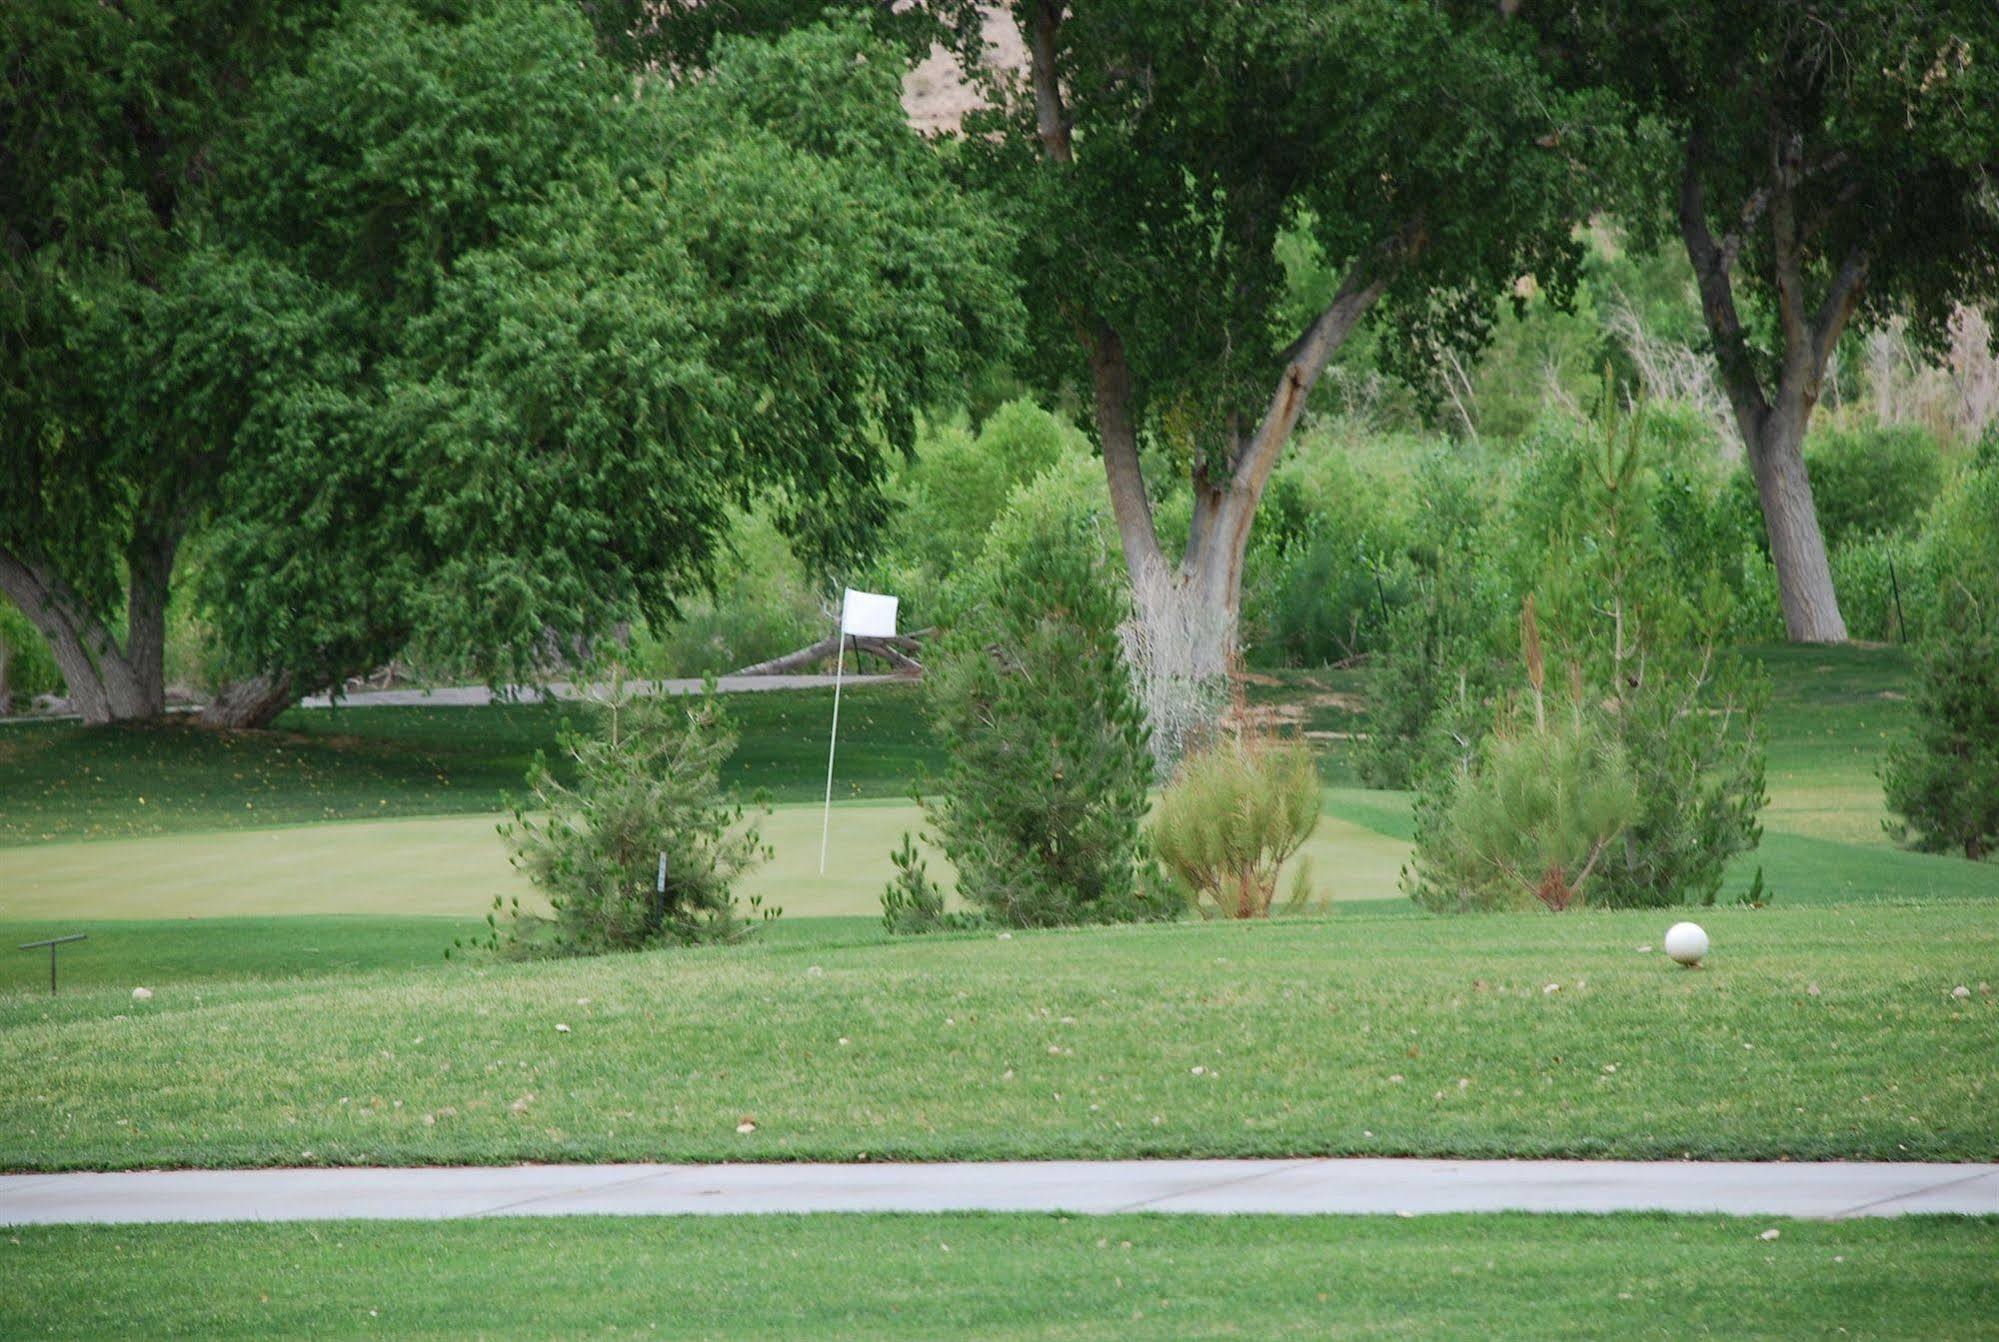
[(868, 614)]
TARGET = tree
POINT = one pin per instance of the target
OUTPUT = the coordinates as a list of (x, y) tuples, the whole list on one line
[(1044, 794), (110, 119), (1155, 156), (1152, 156), (1824, 163), (476, 347), (1942, 777)]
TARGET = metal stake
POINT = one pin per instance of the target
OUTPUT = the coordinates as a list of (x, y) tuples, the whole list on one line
[(52, 943)]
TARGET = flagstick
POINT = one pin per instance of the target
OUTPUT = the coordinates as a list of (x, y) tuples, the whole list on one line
[(826, 823)]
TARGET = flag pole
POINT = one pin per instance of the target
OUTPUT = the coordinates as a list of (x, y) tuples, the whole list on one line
[(833, 744)]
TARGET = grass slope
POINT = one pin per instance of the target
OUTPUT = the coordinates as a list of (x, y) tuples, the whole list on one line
[(1816, 1034), (1010, 1277)]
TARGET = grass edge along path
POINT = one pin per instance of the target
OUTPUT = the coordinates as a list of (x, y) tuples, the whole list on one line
[(1011, 1277), (1812, 1034)]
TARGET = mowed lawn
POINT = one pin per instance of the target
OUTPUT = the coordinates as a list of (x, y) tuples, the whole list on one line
[(305, 1011), (1813, 1034), (1010, 1277)]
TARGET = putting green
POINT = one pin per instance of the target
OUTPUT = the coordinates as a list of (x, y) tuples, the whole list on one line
[(456, 864)]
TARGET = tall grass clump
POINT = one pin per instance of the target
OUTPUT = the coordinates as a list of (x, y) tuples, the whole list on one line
[(1234, 813)]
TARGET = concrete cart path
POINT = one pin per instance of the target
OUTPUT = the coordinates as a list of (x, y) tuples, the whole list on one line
[(1395, 1187), (478, 696)]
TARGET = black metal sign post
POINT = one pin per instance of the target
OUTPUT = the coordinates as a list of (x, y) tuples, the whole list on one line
[(52, 943)]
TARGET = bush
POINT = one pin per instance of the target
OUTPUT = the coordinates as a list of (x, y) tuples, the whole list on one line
[(1531, 816), (1942, 780), (912, 902), (1234, 813), (959, 483), (1884, 585), (1643, 642), (27, 667), (1321, 577), (1439, 644), (1028, 692), (1873, 481), (647, 790)]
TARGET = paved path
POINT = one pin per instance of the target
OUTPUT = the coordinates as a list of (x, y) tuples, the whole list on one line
[(477, 696), (1399, 1187)]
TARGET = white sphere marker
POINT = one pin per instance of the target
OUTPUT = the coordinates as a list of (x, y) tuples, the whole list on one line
[(1686, 942)]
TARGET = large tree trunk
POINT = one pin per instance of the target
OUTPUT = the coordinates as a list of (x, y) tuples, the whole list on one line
[(1773, 422), (1797, 546), (102, 682), (252, 702), (1205, 589), (149, 564)]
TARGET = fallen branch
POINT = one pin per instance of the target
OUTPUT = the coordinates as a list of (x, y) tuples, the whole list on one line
[(896, 650)]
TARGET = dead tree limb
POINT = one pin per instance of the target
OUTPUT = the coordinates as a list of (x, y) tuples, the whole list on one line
[(898, 651)]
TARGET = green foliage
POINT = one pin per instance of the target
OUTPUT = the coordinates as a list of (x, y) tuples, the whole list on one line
[(1961, 542), (1697, 535), (1233, 814), (1322, 575), (760, 604), (912, 902), (1530, 819), (1645, 628), (459, 347), (1313, 124), (1640, 629), (1439, 644), (1942, 778), (959, 482), (1884, 111), (644, 845), (1875, 481), (27, 667), (1045, 788)]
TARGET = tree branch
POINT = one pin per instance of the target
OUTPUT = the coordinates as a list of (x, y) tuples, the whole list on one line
[(1848, 283), (1110, 375), (1051, 118), (1306, 357), (1788, 263), (1724, 323)]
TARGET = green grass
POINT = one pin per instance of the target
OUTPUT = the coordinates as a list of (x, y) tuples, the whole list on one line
[(454, 865), (1358, 1034), (1010, 1277), (59, 780)]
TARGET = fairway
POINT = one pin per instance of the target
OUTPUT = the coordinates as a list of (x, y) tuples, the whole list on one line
[(454, 865)]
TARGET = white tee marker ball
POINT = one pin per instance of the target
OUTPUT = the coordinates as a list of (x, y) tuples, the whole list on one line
[(1686, 942), (142, 994)]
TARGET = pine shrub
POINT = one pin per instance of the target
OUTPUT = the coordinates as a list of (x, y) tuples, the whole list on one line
[(1533, 812), (1045, 789), (1644, 638), (1942, 779), (645, 847)]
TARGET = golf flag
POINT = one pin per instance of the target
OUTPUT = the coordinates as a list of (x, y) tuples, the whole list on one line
[(862, 615), (867, 614)]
